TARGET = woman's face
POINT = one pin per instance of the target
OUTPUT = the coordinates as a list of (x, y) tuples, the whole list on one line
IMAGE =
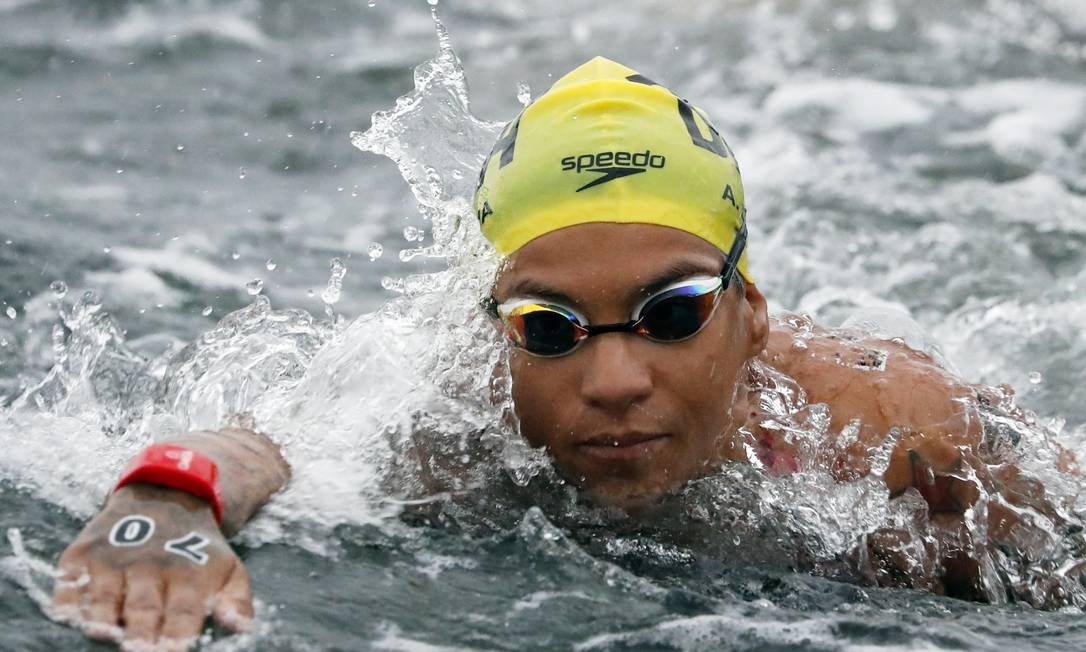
[(624, 417)]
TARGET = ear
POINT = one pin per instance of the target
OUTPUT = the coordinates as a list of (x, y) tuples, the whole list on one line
[(757, 320)]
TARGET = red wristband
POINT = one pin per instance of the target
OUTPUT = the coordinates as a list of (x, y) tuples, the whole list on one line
[(179, 468)]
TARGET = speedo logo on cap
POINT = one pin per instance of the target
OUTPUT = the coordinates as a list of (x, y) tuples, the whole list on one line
[(612, 165)]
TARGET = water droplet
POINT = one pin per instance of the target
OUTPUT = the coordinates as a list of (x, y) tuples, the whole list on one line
[(331, 293), (59, 289), (375, 250), (1035, 377), (254, 287), (180, 148), (270, 265), (107, 249), (235, 255), (412, 234), (371, 3), (12, 314), (206, 312), (524, 93), (433, 3), (120, 170), (241, 173)]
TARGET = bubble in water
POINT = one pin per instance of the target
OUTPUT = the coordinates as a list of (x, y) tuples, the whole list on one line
[(375, 250), (371, 3), (12, 314), (412, 234), (331, 293), (59, 289), (1035, 377), (206, 312), (241, 173), (180, 148), (254, 286), (107, 249), (433, 3), (270, 265), (235, 255), (524, 93)]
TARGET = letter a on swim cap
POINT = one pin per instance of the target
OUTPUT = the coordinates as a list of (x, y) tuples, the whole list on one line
[(607, 144)]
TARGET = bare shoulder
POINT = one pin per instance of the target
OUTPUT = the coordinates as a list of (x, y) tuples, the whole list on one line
[(882, 383)]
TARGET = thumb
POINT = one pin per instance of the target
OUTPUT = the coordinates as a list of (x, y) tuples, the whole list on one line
[(233, 606), (943, 485)]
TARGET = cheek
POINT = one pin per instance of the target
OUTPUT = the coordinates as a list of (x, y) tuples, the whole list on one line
[(539, 395), (705, 381)]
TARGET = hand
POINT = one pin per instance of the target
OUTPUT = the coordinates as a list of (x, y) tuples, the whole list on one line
[(933, 549), (937, 550), (148, 570)]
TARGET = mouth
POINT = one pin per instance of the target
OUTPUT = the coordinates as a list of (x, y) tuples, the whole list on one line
[(623, 447)]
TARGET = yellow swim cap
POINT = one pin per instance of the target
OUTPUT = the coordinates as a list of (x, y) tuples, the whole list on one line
[(606, 144)]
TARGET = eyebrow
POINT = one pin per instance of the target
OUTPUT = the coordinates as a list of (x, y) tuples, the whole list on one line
[(674, 272)]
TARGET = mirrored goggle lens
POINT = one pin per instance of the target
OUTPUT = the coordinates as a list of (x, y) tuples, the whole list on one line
[(681, 312), (544, 330)]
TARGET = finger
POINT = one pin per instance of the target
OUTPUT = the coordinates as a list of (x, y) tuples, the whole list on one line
[(185, 612), (142, 610), (102, 606), (68, 592), (233, 606), (941, 484)]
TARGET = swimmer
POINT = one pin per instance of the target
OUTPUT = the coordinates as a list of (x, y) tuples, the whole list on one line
[(636, 330)]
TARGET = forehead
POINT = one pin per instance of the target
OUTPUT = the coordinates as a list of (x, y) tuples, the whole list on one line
[(595, 259)]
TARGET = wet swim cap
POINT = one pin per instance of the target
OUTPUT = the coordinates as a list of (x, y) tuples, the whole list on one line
[(606, 144)]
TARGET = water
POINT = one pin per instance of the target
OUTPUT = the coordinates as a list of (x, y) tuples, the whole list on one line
[(918, 156)]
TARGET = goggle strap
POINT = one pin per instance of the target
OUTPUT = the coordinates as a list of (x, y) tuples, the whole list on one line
[(734, 254)]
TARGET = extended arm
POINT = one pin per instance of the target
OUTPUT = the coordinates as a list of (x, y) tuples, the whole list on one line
[(154, 563)]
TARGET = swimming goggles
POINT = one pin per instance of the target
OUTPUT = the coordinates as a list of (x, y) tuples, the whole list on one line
[(677, 312)]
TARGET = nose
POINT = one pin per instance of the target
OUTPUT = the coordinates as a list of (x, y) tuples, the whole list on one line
[(615, 377)]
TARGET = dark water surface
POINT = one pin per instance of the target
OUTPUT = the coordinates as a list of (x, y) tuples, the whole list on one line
[(920, 155)]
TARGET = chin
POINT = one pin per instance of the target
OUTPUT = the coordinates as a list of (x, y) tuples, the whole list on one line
[(634, 501)]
